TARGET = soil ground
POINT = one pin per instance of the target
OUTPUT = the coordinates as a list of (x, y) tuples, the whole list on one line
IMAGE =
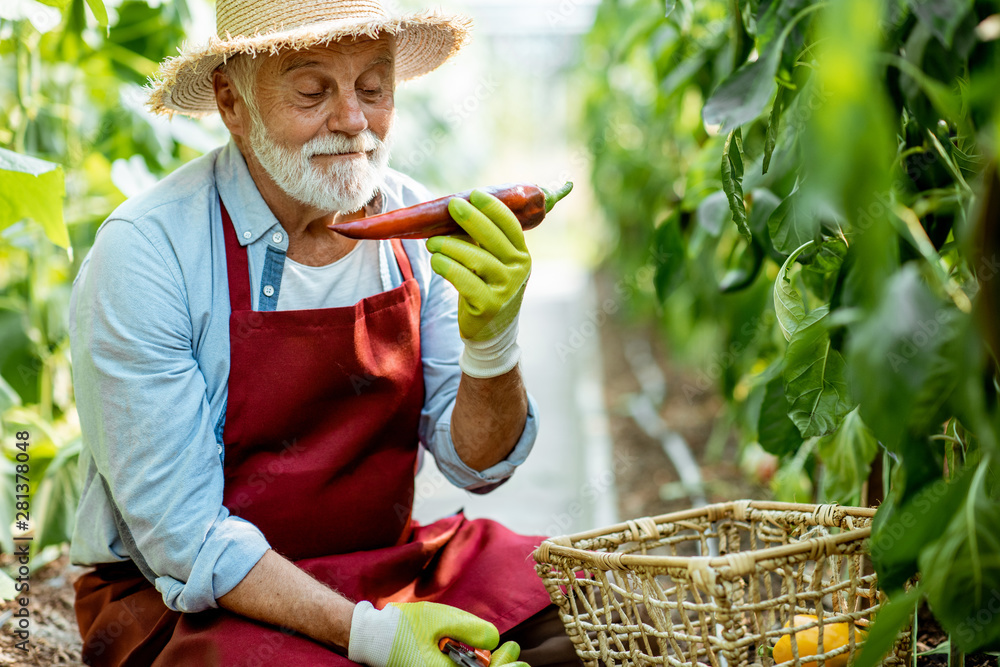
[(646, 489), (54, 639), (651, 488)]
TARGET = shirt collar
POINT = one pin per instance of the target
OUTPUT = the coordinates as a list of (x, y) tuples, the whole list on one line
[(252, 217)]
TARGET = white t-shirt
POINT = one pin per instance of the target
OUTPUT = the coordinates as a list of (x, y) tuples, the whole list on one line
[(353, 277)]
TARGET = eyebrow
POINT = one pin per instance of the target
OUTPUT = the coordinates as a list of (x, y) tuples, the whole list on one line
[(298, 63), (302, 62), (384, 59)]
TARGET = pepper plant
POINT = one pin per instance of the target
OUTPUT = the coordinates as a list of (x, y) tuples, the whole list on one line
[(812, 181), (73, 137)]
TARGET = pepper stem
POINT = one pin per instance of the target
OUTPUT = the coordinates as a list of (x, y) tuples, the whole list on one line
[(553, 198)]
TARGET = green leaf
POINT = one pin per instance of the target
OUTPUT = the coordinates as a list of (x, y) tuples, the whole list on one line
[(942, 16), (671, 5), (7, 501), (55, 501), (732, 181), (771, 138), (848, 142), (901, 531), (847, 456), (944, 648), (669, 256), (777, 14), (944, 100), (32, 188), (889, 622), (99, 10), (713, 211), (763, 203), (815, 378), (895, 353), (744, 95), (791, 484), (793, 223), (8, 397), (776, 433), (7, 587), (960, 571), (747, 268), (830, 257), (788, 304)]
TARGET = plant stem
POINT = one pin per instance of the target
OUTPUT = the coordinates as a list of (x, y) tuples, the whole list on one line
[(554, 197), (956, 658), (45, 392)]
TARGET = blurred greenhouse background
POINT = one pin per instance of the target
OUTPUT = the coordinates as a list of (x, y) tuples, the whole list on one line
[(781, 250)]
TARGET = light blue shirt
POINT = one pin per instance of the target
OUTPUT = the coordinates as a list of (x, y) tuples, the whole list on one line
[(149, 333)]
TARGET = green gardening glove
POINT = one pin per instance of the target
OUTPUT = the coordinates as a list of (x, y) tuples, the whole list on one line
[(407, 635), (490, 271), (507, 655)]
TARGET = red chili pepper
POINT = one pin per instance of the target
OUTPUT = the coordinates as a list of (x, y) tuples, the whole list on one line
[(529, 203)]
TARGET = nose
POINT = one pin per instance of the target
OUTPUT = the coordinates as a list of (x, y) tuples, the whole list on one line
[(347, 116)]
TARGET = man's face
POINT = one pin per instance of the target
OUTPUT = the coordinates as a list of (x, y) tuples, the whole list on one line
[(326, 115)]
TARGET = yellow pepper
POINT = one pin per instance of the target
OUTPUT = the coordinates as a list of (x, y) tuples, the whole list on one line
[(835, 635)]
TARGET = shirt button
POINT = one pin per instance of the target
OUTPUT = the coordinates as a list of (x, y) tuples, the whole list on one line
[(247, 235), (278, 237), (220, 448), (268, 291)]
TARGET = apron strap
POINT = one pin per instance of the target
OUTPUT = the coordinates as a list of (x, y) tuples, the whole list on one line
[(402, 259), (237, 265)]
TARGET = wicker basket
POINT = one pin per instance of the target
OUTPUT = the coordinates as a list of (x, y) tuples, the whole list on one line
[(648, 592)]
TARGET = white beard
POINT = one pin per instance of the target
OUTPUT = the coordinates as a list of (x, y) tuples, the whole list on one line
[(343, 187)]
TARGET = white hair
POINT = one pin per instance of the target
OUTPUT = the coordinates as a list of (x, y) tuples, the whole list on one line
[(242, 71)]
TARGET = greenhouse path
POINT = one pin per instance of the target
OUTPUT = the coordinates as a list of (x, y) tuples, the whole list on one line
[(567, 483)]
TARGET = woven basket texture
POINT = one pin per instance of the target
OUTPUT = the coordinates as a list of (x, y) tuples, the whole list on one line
[(720, 586)]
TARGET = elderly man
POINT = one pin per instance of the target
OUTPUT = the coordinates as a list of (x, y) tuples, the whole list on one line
[(253, 388)]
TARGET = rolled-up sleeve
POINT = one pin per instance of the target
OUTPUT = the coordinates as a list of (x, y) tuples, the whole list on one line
[(146, 420), (441, 347)]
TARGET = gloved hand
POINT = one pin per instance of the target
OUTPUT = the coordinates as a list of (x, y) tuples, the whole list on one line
[(490, 272), (407, 635)]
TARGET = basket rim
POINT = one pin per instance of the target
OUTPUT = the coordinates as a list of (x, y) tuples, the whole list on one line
[(741, 563)]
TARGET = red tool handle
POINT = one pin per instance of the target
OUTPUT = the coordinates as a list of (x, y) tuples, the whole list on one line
[(479, 656)]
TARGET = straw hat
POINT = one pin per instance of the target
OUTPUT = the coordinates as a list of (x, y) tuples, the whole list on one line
[(424, 41)]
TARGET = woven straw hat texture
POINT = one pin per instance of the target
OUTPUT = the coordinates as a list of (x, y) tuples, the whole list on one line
[(424, 41)]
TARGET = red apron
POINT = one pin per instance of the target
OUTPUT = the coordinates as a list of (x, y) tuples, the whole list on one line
[(320, 454)]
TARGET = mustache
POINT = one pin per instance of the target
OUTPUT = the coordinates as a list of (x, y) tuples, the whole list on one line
[(339, 144)]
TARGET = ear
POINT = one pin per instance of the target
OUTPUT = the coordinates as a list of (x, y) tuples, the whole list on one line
[(231, 107)]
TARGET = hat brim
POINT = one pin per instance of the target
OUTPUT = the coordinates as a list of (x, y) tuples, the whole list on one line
[(424, 42)]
